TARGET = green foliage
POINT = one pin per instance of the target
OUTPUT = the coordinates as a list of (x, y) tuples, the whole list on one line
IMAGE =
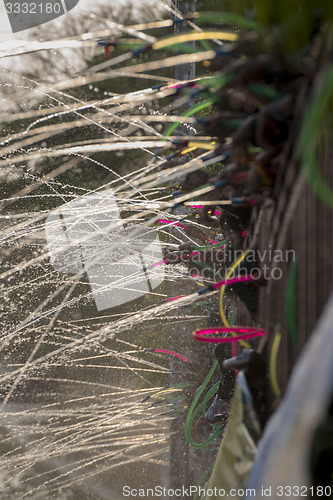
[(293, 22), (217, 5)]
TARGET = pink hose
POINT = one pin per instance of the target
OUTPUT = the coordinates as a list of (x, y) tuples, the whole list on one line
[(173, 354), (237, 279), (172, 223), (246, 333)]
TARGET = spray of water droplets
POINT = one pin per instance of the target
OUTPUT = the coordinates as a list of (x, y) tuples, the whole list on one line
[(86, 185)]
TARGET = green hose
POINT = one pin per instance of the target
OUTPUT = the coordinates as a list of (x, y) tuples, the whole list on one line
[(208, 247), (202, 477), (194, 411), (190, 112), (308, 137), (228, 18), (291, 301)]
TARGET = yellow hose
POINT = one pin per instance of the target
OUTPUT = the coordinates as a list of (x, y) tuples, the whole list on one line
[(189, 37), (272, 364), (193, 145), (222, 290), (172, 389)]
